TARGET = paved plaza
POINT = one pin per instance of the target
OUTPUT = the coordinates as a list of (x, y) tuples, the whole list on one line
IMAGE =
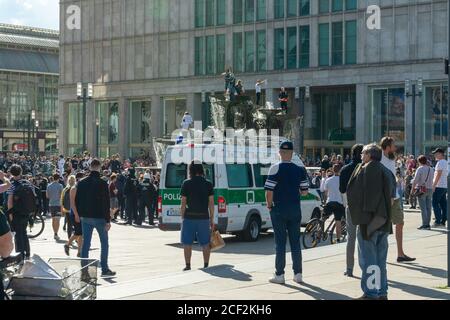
[(149, 263)]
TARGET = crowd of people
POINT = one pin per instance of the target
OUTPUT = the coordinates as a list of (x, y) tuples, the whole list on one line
[(87, 192), (370, 189)]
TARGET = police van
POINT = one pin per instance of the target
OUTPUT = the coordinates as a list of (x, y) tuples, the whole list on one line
[(239, 195)]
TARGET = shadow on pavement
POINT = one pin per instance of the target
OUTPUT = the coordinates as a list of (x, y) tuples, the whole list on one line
[(228, 272), (435, 272), (318, 293), (419, 291)]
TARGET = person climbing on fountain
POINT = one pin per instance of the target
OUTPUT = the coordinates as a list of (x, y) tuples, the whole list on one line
[(258, 90), (230, 84), (187, 121), (283, 98), (239, 88)]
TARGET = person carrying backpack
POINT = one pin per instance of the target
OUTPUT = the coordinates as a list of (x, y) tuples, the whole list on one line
[(54, 191), (21, 204)]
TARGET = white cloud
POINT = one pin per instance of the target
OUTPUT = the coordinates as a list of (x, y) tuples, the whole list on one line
[(35, 13)]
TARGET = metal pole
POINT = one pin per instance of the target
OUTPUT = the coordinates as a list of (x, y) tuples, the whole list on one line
[(448, 155), (29, 134), (302, 123), (413, 136), (84, 118)]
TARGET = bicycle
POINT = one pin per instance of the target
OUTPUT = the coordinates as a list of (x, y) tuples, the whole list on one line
[(316, 233), (8, 268), (36, 225)]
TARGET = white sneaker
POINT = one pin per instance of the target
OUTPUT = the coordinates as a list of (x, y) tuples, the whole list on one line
[(298, 278), (277, 279)]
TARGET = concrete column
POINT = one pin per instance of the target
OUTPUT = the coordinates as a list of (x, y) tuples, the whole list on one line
[(124, 129), (362, 114), (157, 116), (410, 128), (62, 130), (314, 42)]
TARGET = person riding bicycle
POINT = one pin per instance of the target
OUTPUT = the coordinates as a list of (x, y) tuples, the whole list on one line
[(335, 202)]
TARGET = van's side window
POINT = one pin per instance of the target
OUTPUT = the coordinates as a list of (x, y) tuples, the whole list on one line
[(261, 174), (239, 176), (176, 174)]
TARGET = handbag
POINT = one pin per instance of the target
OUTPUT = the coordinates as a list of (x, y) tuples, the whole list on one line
[(217, 241), (421, 190)]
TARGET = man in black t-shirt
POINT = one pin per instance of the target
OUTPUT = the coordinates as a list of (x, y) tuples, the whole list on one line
[(197, 213), (6, 246)]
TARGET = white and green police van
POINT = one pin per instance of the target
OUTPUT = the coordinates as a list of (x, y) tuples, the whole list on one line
[(240, 205)]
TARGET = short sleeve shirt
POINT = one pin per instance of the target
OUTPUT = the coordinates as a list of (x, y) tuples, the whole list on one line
[(442, 166), (197, 192), (285, 180), (4, 226), (54, 191)]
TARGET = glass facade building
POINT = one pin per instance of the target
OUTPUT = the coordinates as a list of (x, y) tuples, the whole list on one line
[(29, 80)]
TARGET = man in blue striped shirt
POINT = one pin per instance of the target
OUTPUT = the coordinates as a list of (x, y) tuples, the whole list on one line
[(284, 186)]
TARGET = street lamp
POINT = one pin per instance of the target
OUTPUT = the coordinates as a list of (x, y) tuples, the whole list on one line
[(33, 118), (414, 91), (84, 94), (97, 124), (36, 148)]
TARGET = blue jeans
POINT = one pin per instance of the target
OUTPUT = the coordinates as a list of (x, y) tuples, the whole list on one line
[(425, 207), (440, 205), (372, 260), (88, 225), (286, 221)]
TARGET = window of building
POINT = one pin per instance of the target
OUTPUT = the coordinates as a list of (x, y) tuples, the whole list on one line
[(210, 55), (436, 115), (324, 6), (250, 51), (292, 8), (199, 13), (337, 53), (220, 58), (174, 109), (209, 15), (108, 130), (221, 12), (279, 49), (238, 52), (351, 4), (199, 56), (350, 42), (304, 8), (304, 46), (337, 5), (324, 44), (249, 10), (388, 113), (261, 50), (237, 11), (75, 127), (292, 48), (331, 117), (260, 10), (278, 9), (140, 123)]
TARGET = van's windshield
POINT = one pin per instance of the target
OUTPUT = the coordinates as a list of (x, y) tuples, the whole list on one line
[(177, 173)]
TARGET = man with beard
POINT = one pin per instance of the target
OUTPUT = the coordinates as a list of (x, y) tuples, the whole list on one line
[(398, 217), (131, 194)]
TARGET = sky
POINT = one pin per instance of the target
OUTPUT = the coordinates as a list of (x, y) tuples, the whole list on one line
[(33, 13)]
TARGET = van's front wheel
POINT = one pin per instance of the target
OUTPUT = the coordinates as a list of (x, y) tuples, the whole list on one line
[(253, 230)]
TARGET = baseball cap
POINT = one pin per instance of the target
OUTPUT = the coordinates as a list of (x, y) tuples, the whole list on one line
[(287, 145), (147, 176), (438, 150)]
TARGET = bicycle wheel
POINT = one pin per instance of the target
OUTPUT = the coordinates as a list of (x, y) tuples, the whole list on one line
[(35, 226), (343, 228), (312, 235)]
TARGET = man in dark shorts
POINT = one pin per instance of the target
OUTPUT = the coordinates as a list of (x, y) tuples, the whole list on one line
[(54, 191), (335, 201), (197, 213), (75, 218)]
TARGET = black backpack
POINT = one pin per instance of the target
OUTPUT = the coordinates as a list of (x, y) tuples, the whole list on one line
[(24, 198)]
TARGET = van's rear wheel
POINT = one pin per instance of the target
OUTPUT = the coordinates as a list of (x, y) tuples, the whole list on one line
[(253, 230)]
